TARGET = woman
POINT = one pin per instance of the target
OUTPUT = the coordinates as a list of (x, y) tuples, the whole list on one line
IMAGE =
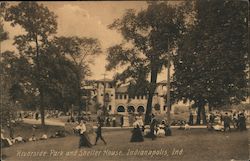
[(152, 133), (84, 140), (136, 133)]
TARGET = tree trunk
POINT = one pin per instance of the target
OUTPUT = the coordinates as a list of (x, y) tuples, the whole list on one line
[(79, 97), (42, 108), (151, 94), (40, 86), (168, 90)]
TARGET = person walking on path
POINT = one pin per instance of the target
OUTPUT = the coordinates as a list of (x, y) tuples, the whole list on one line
[(84, 140), (99, 133)]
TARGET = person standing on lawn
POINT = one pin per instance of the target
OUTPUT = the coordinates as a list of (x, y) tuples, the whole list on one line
[(227, 121), (121, 121), (99, 133), (191, 119), (136, 133), (84, 140)]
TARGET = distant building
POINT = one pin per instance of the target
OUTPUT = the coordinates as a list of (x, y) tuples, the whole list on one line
[(118, 101)]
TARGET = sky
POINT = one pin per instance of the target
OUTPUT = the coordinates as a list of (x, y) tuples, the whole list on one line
[(87, 19)]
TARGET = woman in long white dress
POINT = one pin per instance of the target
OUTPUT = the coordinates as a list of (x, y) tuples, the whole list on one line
[(84, 139), (136, 133)]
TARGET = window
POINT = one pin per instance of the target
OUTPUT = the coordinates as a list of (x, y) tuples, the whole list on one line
[(140, 109), (131, 109), (120, 109), (120, 96), (110, 107), (137, 97), (157, 107), (101, 94), (111, 95), (141, 96), (125, 96), (116, 96)]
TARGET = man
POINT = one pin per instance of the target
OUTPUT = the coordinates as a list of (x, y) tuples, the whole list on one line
[(227, 122), (99, 133), (121, 121), (191, 119)]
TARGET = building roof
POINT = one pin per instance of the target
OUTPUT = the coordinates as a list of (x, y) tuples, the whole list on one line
[(163, 82), (105, 80), (123, 89)]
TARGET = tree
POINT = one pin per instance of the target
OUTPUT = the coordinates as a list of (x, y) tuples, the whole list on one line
[(7, 107), (39, 23), (149, 37), (80, 52), (211, 60), (3, 34)]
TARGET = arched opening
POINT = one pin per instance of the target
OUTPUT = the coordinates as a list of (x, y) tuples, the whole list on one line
[(157, 107), (131, 109), (140, 109), (120, 109)]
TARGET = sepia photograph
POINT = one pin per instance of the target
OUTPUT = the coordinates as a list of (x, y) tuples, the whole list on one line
[(125, 80)]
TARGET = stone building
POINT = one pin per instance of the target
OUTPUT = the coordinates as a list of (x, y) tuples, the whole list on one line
[(117, 100)]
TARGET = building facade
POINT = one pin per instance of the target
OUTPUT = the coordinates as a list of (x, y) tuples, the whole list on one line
[(117, 100)]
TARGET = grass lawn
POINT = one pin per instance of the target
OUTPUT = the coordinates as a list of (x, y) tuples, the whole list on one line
[(193, 145)]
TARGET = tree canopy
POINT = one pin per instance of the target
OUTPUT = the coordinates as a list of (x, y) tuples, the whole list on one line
[(211, 60), (48, 70), (149, 35)]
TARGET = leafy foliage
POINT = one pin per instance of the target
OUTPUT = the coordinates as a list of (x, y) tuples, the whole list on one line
[(210, 64), (39, 23), (149, 34)]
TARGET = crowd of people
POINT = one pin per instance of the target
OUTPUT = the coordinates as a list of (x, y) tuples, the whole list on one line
[(223, 121), (36, 114), (9, 141), (155, 129), (139, 131)]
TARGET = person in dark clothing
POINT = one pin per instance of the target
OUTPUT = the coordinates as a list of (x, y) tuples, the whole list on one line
[(99, 134), (36, 116), (167, 129), (152, 129), (121, 121), (191, 119), (113, 121), (242, 122), (108, 122), (227, 122), (136, 133)]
